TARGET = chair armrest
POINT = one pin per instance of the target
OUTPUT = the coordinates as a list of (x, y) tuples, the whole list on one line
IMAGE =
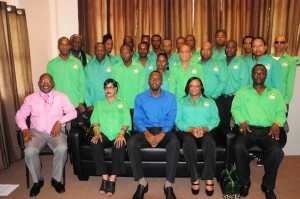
[(227, 137), (20, 138), (75, 140)]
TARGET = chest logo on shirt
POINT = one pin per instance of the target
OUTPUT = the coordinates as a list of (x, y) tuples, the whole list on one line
[(268, 66), (136, 70), (216, 69), (285, 64), (120, 105), (199, 57), (108, 69), (235, 66), (75, 66), (205, 103), (174, 63), (194, 70), (150, 67), (169, 77), (271, 96)]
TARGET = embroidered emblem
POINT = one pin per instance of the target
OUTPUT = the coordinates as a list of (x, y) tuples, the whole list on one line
[(75, 66), (150, 67), (206, 103), (216, 69), (268, 66), (120, 105), (285, 64), (136, 70), (108, 69), (194, 70), (235, 66), (271, 96)]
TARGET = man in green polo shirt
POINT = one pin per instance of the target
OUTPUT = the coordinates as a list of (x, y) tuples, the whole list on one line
[(67, 72), (156, 46), (96, 72), (183, 71), (259, 110), (260, 56), (76, 50), (288, 67), (219, 49), (190, 41), (237, 77), (130, 75), (128, 40)]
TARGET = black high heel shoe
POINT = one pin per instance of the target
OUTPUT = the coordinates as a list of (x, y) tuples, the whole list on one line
[(195, 191), (104, 186), (209, 193), (111, 187)]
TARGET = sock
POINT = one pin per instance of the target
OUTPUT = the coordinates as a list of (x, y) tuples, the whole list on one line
[(168, 184), (143, 182)]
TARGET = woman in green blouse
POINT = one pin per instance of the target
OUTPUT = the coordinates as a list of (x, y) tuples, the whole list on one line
[(197, 116), (111, 123)]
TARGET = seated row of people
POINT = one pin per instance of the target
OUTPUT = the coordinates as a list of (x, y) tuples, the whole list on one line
[(156, 111)]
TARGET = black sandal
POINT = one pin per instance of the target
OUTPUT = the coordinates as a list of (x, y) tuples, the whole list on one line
[(111, 187), (209, 193), (195, 191), (104, 186)]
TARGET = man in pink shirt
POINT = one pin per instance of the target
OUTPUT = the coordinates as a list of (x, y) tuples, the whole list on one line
[(49, 111)]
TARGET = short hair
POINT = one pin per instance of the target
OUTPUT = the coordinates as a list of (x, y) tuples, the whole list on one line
[(143, 42), (155, 71), (221, 30), (246, 37), (164, 55), (74, 36), (258, 65), (260, 38), (113, 82), (106, 37), (127, 46), (156, 35)]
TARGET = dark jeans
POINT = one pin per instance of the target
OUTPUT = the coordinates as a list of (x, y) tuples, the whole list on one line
[(138, 141), (273, 155), (208, 145), (117, 157)]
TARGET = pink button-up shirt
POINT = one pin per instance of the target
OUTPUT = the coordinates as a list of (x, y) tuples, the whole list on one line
[(45, 111)]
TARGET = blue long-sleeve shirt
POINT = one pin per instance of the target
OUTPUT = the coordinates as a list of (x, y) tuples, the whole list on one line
[(152, 111)]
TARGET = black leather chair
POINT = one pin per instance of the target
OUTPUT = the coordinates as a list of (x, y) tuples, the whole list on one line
[(154, 159), (45, 151)]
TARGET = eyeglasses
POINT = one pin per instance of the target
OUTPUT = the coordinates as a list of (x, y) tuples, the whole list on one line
[(279, 42), (46, 81), (108, 87)]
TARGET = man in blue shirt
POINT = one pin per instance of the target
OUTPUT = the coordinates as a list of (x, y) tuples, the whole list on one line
[(154, 117)]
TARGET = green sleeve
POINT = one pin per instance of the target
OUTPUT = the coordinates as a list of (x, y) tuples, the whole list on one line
[(290, 82), (81, 84), (236, 109), (95, 114), (222, 81), (172, 81), (280, 110), (126, 116), (180, 121), (214, 116)]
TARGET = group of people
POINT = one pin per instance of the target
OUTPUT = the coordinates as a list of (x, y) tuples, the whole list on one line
[(169, 99)]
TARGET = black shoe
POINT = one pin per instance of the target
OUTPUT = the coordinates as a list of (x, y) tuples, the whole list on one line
[(209, 193), (269, 193), (36, 187), (195, 191), (111, 187), (169, 193), (59, 187), (140, 191), (103, 186), (244, 190)]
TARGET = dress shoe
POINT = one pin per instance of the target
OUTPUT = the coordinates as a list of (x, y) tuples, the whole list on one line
[(140, 191), (269, 193), (209, 192), (169, 193), (59, 187), (195, 191), (35, 189), (244, 190)]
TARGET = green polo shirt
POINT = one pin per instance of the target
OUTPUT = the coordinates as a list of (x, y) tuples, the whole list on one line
[(215, 77), (196, 57), (179, 77), (218, 55), (152, 55), (273, 71), (111, 117), (69, 78), (88, 57), (258, 110), (288, 74), (131, 80), (95, 75), (166, 79), (237, 75), (173, 60), (204, 113)]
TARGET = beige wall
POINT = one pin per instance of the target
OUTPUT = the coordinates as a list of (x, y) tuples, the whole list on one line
[(50, 19)]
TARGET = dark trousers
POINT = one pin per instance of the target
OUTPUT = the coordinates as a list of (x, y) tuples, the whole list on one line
[(138, 141), (273, 155), (223, 103), (208, 145), (118, 156)]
